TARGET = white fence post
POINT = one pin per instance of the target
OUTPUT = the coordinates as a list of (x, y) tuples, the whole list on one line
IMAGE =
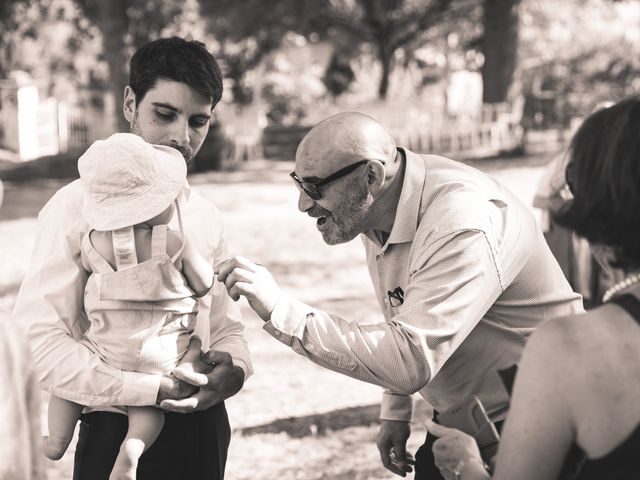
[(47, 128), (63, 127)]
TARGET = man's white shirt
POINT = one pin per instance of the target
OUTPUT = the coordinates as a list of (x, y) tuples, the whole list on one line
[(49, 306)]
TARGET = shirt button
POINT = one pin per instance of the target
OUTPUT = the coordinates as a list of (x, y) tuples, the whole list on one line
[(277, 334)]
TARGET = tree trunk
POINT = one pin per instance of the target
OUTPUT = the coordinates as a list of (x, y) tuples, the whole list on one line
[(385, 57), (113, 22), (500, 48)]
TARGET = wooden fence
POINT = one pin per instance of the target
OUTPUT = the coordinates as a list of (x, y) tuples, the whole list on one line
[(496, 129)]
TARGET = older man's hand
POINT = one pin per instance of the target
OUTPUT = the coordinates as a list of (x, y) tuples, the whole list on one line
[(392, 445), (243, 277)]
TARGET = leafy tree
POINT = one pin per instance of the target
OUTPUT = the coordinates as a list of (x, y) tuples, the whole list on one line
[(248, 30), (577, 54), (339, 74), (10, 24), (392, 25), (48, 39), (386, 25), (126, 25)]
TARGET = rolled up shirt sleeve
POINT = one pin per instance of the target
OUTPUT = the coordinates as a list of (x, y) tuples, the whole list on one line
[(451, 286), (49, 308)]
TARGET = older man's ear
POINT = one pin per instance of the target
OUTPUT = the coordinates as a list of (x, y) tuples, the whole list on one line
[(374, 176)]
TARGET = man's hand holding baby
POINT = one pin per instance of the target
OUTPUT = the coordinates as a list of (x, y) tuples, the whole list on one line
[(200, 380)]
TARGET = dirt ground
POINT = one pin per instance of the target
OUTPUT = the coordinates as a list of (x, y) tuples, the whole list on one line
[(263, 224)]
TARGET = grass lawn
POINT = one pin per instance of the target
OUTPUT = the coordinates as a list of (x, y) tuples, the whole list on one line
[(331, 429)]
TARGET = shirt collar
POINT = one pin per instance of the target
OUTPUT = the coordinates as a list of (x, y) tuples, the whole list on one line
[(405, 223)]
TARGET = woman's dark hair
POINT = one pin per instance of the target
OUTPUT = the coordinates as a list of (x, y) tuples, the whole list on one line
[(604, 176), (174, 58)]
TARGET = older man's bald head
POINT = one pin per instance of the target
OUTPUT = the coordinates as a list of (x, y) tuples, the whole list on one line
[(341, 140)]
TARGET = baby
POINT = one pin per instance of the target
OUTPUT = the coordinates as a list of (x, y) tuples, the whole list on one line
[(140, 296)]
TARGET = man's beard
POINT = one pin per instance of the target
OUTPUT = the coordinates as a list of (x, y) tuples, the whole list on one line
[(349, 219), (185, 151)]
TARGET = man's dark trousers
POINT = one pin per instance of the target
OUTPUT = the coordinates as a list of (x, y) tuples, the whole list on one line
[(190, 446)]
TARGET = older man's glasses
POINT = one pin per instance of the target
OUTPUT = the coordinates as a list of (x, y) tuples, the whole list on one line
[(312, 187)]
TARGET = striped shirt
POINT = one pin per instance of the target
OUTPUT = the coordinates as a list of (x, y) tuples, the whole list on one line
[(49, 306), (462, 280)]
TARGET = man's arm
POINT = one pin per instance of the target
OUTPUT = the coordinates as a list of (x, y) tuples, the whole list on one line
[(228, 350), (449, 292), (49, 308), (197, 271), (446, 297)]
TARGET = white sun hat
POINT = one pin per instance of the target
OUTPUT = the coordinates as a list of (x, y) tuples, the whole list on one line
[(128, 181)]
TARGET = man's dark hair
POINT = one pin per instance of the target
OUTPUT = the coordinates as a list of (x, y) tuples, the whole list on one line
[(177, 59), (604, 176)]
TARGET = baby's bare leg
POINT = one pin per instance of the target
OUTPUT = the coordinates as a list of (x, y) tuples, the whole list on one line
[(145, 424), (62, 418)]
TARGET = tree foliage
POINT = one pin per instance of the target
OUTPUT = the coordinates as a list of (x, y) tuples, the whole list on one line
[(125, 25), (248, 30), (10, 25), (338, 75), (392, 25), (577, 54), (49, 39), (386, 26)]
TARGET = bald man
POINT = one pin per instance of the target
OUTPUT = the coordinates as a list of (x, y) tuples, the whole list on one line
[(461, 272)]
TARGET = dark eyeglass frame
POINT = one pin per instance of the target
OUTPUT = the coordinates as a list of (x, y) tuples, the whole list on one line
[(311, 188)]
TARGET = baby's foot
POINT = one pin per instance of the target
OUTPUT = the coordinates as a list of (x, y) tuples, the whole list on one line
[(127, 460), (122, 472), (192, 361)]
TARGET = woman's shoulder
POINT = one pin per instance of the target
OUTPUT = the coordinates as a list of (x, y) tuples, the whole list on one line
[(557, 336), (577, 347), (605, 325), (577, 334), (562, 347)]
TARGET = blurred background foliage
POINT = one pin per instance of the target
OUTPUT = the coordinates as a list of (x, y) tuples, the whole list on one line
[(291, 61)]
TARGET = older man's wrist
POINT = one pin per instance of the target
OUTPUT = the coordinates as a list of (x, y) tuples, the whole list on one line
[(288, 319)]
